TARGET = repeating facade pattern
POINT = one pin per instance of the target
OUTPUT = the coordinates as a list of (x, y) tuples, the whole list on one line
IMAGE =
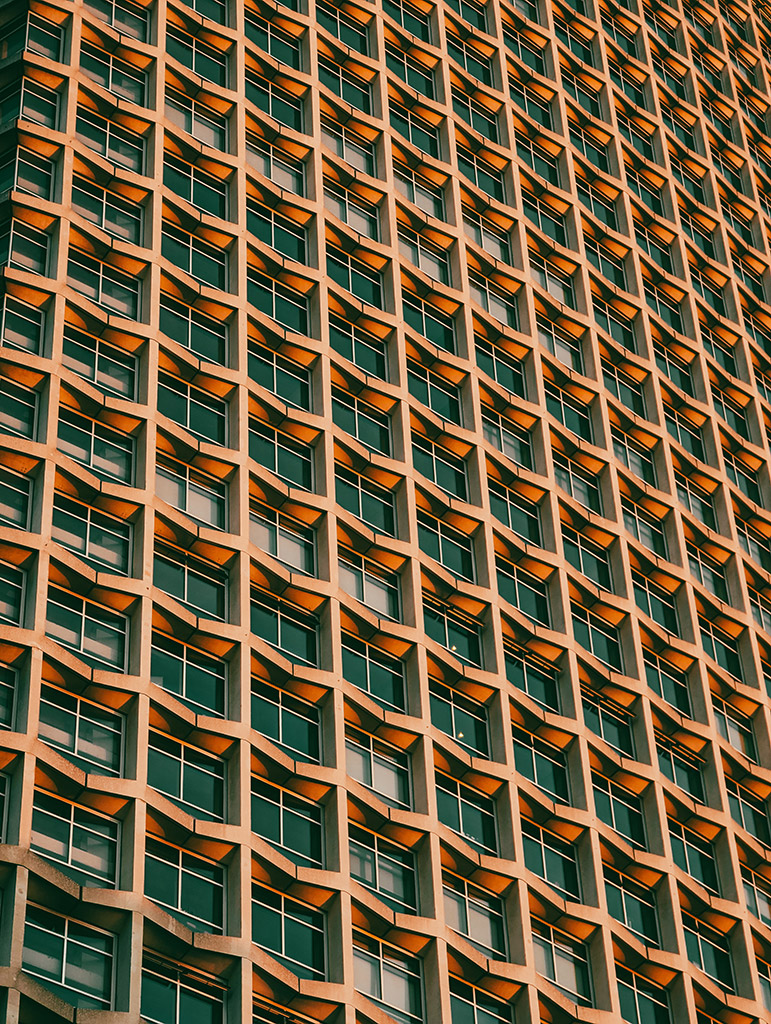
[(385, 575)]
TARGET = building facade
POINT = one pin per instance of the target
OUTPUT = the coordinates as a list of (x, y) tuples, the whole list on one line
[(385, 569)]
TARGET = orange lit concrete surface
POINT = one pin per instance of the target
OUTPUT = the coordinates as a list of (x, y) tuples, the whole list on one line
[(385, 570)]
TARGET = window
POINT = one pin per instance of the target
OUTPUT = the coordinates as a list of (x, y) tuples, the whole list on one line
[(101, 539), (504, 368), (205, 123), (374, 672), (172, 994), (477, 115), (278, 103), (457, 633), (431, 259), (27, 172), (293, 825), (500, 304), (721, 646), (123, 15), (352, 209), (366, 350), (21, 326), (276, 165), (280, 453), (644, 527), (18, 409), (563, 960), (655, 601), (277, 231), (412, 71), (615, 324), (291, 931), (39, 104), (285, 378), (440, 466), (749, 811), (346, 84), (429, 321), (609, 721), (202, 586), (8, 681), (486, 176), (476, 914), (193, 408), (371, 583), (287, 539), (435, 391), (209, 62), (588, 558), (519, 514), (347, 29), (190, 887), (200, 496), (635, 456), (385, 868), (694, 855), (735, 727), (488, 235), (269, 37), (552, 223), (551, 858), (201, 334), (757, 893), (289, 630), (542, 763), (632, 904), (619, 808), (459, 716), (528, 593), (15, 499), (535, 678), (597, 636), (110, 368), (109, 210), (112, 141), (72, 959), (641, 1001), (190, 777), (118, 292), (365, 500), (707, 570), (382, 972), (709, 950), (88, 734), (207, 263), (468, 813), (205, 191), (410, 17), (578, 483), (470, 1005), (196, 679), (121, 78), (81, 842), (508, 437), (349, 146), (285, 305), (447, 545), (99, 635), (356, 276), (425, 194), (367, 423), (292, 723), (379, 766)]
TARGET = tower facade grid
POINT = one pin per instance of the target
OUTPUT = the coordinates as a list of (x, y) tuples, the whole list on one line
[(385, 569)]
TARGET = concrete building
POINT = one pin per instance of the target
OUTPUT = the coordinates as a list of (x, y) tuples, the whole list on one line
[(385, 569)]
